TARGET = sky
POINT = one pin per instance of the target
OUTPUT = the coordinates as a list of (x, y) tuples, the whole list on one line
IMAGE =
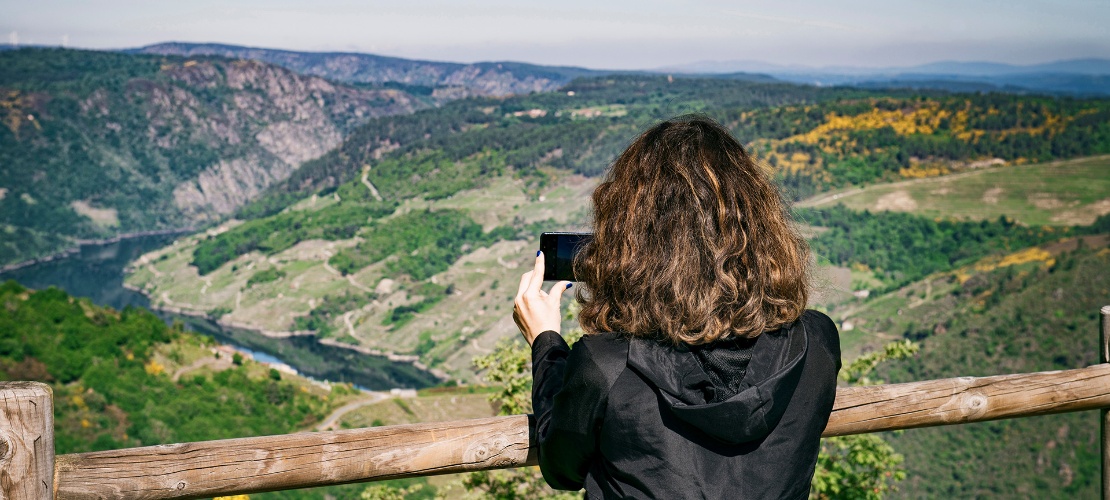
[(603, 34)]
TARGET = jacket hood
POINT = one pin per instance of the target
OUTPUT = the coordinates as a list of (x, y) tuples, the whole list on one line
[(768, 384)]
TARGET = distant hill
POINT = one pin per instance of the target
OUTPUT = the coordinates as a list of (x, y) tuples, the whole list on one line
[(449, 80), (1089, 66), (95, 144), (1076, 76)]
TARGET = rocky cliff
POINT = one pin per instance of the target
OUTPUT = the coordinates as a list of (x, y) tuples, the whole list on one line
[(96, 143)]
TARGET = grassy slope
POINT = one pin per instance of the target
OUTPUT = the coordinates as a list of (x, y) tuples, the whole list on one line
[(1035, 316), (466, 323), (1057, 193), (124, 379)]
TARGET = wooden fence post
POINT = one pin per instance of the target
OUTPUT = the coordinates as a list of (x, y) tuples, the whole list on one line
[(26, 441), (1104, 420)]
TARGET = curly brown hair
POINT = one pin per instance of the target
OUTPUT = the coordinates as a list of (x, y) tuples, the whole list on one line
[(692, 241)]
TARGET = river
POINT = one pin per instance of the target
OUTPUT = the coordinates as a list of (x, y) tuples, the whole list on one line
[(96, 271)]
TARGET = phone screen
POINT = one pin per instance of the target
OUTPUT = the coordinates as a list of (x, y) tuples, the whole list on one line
[(559, 250)]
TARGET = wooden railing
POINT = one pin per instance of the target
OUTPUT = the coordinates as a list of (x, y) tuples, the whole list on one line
[(29, 469)]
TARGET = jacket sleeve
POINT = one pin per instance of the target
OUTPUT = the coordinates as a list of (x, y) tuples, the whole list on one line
[(568, 398)]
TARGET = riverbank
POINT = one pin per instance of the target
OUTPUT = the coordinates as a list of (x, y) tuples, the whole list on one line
[(181, 311), (96, 272), (71, 251), (410, 359)]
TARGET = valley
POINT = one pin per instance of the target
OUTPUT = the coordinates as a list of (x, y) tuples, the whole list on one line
[(470, 312), (973, 224)]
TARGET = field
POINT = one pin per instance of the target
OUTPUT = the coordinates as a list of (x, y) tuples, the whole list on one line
[(1072, 192)]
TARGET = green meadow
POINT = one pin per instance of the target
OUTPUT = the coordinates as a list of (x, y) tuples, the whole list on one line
[(1072, 192)]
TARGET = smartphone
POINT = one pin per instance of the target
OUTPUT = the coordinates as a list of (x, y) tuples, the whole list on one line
[(559, 250)]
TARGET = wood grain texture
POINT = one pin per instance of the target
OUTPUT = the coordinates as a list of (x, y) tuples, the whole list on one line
[(26, 441), (967, 399), (268, 463)]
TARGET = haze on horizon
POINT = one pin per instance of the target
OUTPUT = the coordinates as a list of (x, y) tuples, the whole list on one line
[(615, 34)]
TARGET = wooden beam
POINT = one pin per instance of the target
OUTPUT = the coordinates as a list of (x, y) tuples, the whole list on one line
[(961, 400), (249, 465), (26, 441), (1104, 417)]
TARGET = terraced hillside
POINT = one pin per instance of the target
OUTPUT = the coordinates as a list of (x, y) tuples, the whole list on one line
[(456, 310), (409, 236)]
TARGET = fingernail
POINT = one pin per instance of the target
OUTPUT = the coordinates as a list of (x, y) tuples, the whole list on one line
[(538, 252), (570, 285)]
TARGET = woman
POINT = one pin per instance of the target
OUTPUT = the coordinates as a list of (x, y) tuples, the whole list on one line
[(701, 375)]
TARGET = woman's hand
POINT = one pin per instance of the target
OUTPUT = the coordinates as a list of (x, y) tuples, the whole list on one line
[(536, 311)]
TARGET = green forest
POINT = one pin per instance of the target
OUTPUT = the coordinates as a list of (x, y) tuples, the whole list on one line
[(1012, 320), (110, 391), (902, 247)]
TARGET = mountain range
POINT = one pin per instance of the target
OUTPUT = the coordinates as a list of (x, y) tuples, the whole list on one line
[(1088, 66), (444, 80), (1089, 76)]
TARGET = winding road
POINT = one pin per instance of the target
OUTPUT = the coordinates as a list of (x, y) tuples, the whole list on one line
[(366, 182), (367, 400)]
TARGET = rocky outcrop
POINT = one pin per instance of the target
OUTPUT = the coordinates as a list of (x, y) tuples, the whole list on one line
[(283, 118), (159, 141), (227, 185)]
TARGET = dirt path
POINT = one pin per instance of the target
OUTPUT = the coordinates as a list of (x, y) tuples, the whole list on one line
[(333, 418), (480, 349), (347, 320), (198, 364), (360, 286), (826, 198), (928, 293), (366, 182)]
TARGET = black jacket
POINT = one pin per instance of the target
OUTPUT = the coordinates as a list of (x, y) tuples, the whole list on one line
[(633, 418)]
